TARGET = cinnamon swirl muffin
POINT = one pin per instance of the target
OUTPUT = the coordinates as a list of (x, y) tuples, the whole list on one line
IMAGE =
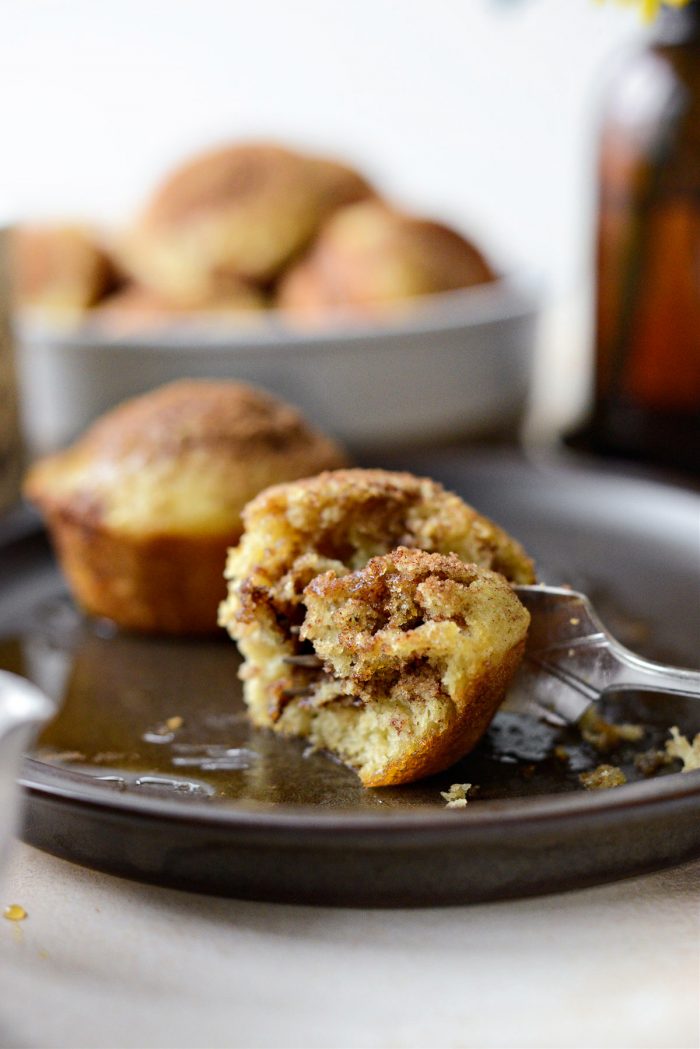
[(234, 214), (133, 307), (395, 659), (368, 255), (144, 506), (60, 269)]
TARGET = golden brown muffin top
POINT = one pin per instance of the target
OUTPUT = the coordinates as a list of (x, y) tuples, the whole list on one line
[(391, 592), (60, 267), (215, 178), (241, 211), (187, 455), (252, 171), (229, 417), (369, 253), (337, 184), (351, 515), (337, 521)]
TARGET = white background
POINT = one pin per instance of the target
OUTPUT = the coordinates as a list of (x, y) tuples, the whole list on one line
[(478, 111)]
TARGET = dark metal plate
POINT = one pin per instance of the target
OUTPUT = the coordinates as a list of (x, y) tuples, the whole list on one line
[(211, 805)]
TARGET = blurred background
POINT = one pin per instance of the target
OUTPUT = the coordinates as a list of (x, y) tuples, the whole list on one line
[(480, 112)]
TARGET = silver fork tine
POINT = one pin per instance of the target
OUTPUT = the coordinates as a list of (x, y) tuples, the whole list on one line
[(570, 644), (567, 677)]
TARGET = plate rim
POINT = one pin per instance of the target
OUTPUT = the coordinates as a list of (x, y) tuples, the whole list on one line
[(76, 788), (512, 847), (71, 787)]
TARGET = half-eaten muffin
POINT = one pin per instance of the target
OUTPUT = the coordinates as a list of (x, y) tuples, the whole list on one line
[(394, 659)]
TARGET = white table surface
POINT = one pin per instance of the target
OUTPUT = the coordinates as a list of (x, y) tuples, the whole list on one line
[(101, 962), (105, 962)]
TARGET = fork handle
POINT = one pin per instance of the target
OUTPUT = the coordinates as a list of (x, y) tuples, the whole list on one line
[(628, 670), (582, 659), (591, 669)]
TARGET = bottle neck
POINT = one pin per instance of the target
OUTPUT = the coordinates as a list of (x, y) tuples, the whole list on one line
[(678, 25)]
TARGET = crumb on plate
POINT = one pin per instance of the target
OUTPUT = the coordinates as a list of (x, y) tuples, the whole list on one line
[(680, 747), (605, 736), (650, 761), (456, 796), (602, 778)]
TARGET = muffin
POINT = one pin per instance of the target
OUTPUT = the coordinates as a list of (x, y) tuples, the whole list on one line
[(368, 255), (417, 651), (144, 506), (60, 269), (305, 586), (133, 307), (238, 213)]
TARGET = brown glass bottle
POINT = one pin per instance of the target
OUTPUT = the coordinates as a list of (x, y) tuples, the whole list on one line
[(647, 357)]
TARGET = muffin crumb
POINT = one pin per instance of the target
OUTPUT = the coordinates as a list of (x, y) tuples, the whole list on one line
[(649, 762), (602, 778), (680, 747), (604, 736), (456, 796)]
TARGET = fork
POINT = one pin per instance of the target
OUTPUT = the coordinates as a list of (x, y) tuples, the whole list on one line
[(581, 659)]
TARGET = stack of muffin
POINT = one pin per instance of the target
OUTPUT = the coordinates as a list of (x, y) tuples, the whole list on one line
[(242, 229)]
